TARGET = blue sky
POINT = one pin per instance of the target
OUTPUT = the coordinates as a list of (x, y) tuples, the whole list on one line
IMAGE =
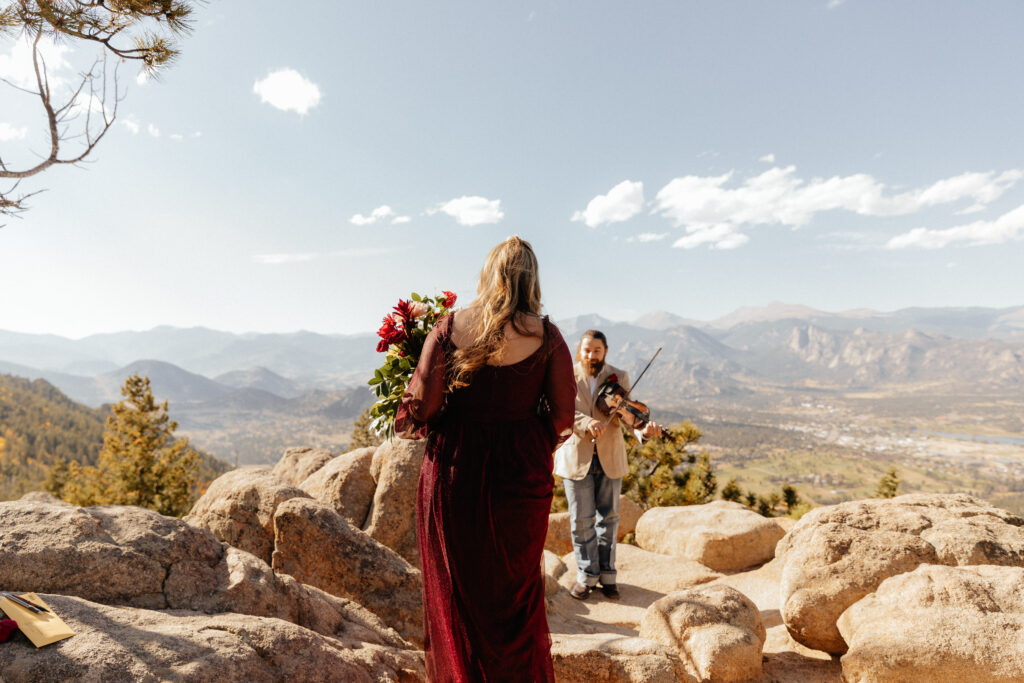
[(680, 156)]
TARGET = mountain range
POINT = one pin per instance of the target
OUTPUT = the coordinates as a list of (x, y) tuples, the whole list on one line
[(778, 344)]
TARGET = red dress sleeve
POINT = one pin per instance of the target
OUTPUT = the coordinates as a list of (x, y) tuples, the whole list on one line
[(559, 386), (424, 397)]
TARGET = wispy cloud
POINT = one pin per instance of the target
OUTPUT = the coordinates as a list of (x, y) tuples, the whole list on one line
[(715, 236), (132, 124), (301, 257), (471, 210), (622, 202), (713, 213), (381, 214), (832, 4), (768, 158), (9, 132), (288, 90), (1009, 226), (153, 130), (648, 237)]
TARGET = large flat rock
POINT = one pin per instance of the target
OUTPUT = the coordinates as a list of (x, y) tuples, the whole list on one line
[(722, 535), (614, 658), (835, 556), (114, 644), (938, 623), (643, 577)]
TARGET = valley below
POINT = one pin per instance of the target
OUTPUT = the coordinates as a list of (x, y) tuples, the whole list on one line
[(834, 446)]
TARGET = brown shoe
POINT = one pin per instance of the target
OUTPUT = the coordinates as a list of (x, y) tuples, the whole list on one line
[(580, 591), (611, 591)]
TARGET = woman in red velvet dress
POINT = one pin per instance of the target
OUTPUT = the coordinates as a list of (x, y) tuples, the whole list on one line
[(494, 393)]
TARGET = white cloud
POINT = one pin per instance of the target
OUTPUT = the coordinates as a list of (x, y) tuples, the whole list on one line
[(143, 78), (1009, 226), (712, 212), (16, 66), (471, 210), (768, 158), (622, 202), (648, 237), (380, 214), (832, 4), (288, 90), (9, 132), (153, 130), (131, 124), (177, 137), (715, 236), (377, 214)]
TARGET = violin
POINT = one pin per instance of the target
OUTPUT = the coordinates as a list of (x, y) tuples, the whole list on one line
[(613, 400)]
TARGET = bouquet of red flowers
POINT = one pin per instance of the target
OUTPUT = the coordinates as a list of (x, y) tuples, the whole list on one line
[(401, 337)]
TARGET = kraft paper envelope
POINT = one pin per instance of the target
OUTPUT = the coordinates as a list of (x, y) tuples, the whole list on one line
[(41, 629)]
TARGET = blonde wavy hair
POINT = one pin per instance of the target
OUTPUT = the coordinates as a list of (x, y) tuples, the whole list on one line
[(509, 287)]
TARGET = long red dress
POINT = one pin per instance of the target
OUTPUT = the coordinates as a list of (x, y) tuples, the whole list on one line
[(482, 507)]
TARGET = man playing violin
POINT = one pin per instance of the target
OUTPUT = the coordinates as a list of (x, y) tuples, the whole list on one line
[(592, 463)]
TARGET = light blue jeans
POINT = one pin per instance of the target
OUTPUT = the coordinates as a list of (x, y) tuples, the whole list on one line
[(594, 520)]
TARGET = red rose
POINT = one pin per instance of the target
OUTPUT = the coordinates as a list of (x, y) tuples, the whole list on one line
[(449, 298), (7, 627), (612, 378), (389, 334), (404, 311), (387, 327)]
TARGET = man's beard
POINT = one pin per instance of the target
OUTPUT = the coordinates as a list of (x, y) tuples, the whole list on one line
[(593, 368)]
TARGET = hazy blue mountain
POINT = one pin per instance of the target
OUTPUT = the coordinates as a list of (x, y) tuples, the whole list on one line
[(663, 320), (261, 378), (176, 345), (245, 399), (167, 380)]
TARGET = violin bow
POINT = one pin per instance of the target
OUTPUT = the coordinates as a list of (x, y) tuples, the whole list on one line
[(615, 413)]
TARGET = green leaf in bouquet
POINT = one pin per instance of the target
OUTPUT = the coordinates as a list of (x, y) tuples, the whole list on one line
[(416, 297)]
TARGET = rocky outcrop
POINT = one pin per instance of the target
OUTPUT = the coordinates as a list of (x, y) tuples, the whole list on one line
[(613, 658), (835, 556), (721, 535), (938, 623), (392, 517), (559, 538), (317, 546), (126, 555), (553, 568), (298, 463), (629, 514), (238, 508), (129, 644), (345, 484), (716, 629)]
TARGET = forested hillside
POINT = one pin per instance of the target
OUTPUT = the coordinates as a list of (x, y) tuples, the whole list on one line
[(39, 425)]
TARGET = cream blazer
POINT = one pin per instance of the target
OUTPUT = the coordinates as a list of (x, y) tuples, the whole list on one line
[(572, 459)]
